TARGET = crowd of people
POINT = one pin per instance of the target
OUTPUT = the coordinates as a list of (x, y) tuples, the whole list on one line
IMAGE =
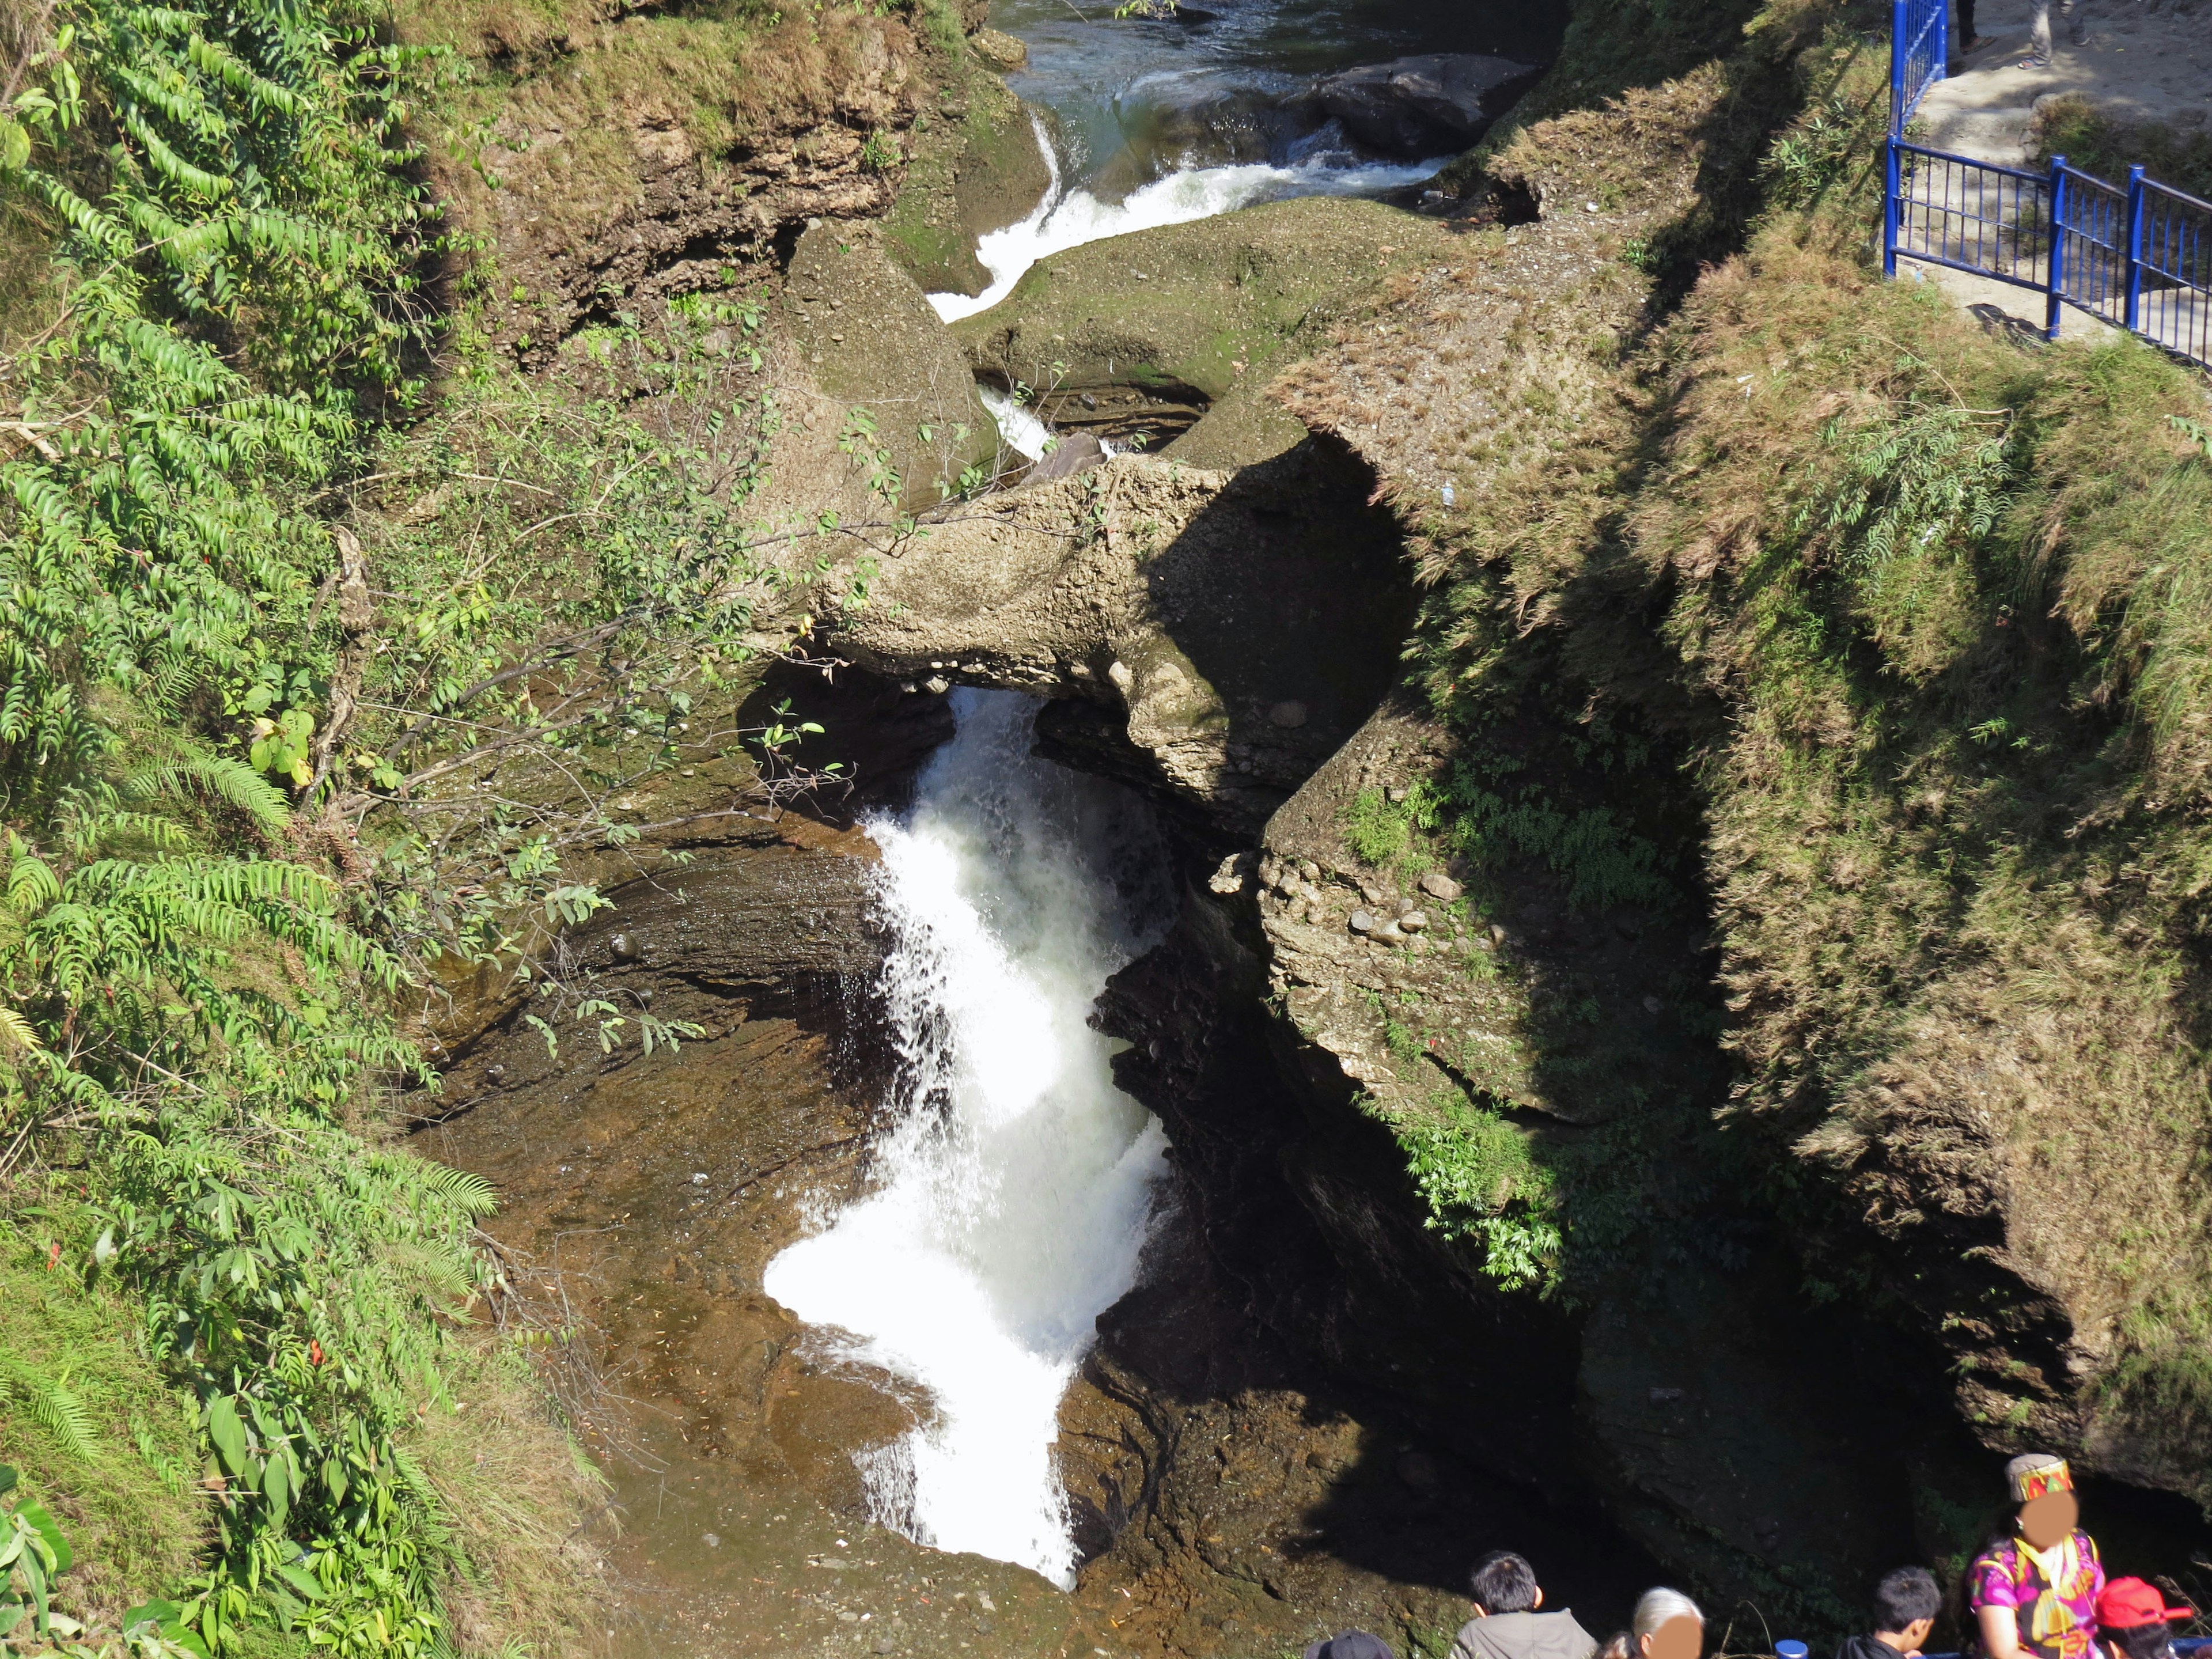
[(2039, 1591)]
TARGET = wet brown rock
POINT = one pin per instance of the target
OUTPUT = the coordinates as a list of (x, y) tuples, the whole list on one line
[(1434, 105)]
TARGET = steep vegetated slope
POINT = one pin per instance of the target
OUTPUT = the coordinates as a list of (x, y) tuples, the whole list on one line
[(1810, 680), (342, 661), (223, 242)]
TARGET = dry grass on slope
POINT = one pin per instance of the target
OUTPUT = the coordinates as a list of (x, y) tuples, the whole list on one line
[(1499, 396), (1949, 592), (1922, 612)]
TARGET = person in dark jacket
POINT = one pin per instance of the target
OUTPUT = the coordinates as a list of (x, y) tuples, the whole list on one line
[(1350, 1645), (1906, 1604), (1507, 1624)]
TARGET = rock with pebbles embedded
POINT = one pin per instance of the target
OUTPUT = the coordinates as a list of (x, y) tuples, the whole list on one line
[(1002, 52)]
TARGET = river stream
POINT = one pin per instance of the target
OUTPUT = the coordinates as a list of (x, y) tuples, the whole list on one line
[(1160, 120)]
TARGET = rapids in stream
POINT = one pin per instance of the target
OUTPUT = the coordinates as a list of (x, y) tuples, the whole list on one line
[(1014, 1189), (1059, 221)]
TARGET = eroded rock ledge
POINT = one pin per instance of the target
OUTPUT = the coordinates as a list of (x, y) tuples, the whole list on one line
[(1238, 627)]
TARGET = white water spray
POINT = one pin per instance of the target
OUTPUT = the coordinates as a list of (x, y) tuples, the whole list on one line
[(1017, 1182), (1026, 435)]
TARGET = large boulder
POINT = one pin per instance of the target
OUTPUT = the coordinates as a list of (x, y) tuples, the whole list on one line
[(1145, 332), (869, 340), (1435, 105), (1216, 636)]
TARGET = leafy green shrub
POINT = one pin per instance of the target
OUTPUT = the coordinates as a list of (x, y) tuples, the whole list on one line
[(1810, 159), (191, 1020), (1377, 829), (1474, 1171), (1601, 860)]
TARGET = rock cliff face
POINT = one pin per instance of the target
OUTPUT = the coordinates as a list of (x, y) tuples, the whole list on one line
[(1347, 1347), (1231, 629), (618, 174)]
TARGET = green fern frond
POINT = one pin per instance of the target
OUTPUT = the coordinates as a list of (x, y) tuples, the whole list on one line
[(49, 1402), (18, 1030), (467, 1192), (222, 776)]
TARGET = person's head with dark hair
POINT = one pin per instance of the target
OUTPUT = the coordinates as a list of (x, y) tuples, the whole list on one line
[(1503, 1582), (2133, 1621), (1350, 1645), (1906, 1604), (2140, 1642)]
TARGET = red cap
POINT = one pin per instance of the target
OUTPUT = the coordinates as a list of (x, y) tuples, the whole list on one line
[(2130, 1603)]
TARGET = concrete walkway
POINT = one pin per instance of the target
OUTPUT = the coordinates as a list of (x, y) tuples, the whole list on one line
[(2144, 60)]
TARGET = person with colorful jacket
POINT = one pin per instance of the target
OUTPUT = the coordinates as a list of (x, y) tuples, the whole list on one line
[(2035, 1594)]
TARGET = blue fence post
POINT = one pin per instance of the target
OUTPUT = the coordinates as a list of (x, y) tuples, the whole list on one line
[(2135, 245), (1900, 24), (1943, 68), (2056, 264), (1892, 207)]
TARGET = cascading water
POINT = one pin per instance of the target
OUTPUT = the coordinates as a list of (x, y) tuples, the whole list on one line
[(1016, 1185), (1057, 222)]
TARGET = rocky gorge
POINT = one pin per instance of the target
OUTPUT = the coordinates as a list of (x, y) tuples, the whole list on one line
[(1467, 1232)]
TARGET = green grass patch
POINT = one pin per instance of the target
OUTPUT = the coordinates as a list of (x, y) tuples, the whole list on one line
[(2107, 145), (96, 1431)]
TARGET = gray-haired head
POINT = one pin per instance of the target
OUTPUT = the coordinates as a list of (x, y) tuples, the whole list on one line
[(1656, 1606)]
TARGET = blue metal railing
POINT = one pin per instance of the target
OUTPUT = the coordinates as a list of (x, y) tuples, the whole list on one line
[(1971, 215), (1919, 46), (2170, 275), (2138, 255)]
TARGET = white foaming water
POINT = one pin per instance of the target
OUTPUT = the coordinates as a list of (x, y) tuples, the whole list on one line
[(1056, 225), (1026, 435), (1017, 1183)]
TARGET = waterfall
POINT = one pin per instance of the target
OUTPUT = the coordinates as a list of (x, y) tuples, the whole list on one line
[(1014, 1188)]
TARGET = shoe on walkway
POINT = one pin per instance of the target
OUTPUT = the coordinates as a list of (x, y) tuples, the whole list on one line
[(1977, 42), (2033, 63)]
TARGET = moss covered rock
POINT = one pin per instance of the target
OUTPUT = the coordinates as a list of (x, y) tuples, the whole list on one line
[(870, 340), (1191, 312), (975, 164)]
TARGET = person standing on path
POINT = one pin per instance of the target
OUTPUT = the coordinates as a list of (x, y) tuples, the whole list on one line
[(2038, 30), (1964, 38), (2034, 1595)]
